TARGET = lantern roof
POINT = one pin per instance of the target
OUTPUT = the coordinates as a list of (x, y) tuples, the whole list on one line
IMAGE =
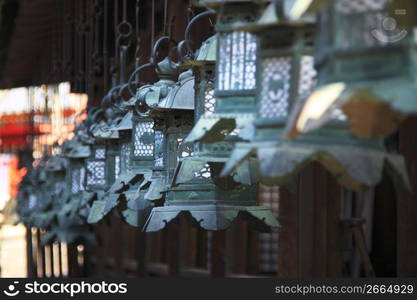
[(207, 51), (125, 123), (181, 96), (75, 149), (56, 164)]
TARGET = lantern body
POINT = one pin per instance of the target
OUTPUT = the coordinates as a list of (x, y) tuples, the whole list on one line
[(366, 68), (196, 188), (96, 167), (235, 81), (286, 76), (148, 160)]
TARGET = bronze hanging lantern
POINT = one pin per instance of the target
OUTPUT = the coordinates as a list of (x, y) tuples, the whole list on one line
[(286, 76), (235, 80), (366, 68), (196, 188), (148, 145)]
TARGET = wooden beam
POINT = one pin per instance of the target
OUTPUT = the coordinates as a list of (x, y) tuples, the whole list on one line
[(407, 203)]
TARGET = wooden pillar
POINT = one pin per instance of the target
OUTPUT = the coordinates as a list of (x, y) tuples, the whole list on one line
[(407, 203), (73, 268), (30, 263), (40, 254), (288, 242), (59, 246), (218, 252), (141, 257), (309, 217), (173, 248)]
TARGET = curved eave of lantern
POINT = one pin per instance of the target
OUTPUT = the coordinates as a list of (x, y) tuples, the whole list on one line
[(70, 229), (211, 217), (354, 167), (356, 163), (103, 130), (216, 127), (75, 149), (125, 123), (142, 200), (362, 103)]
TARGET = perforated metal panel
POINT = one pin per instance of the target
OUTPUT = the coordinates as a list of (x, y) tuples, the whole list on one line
[(143, 140), (77, 180), (96, 172), (308, 75), (100, 153), (125, 152), (359, 6), (209, 100), (275, 91), (237, 61), (159, 149), (203, 173), (116, 166)]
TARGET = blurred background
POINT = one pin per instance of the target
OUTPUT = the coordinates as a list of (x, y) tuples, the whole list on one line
[(32, 119)]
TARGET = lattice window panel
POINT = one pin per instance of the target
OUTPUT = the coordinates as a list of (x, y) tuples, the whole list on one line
[(100, 153), (268, 242), (96, 173), (308, 75), (159, 149), (125, 151), (116, 166), (237, 61), (203, 173), (276, 83), (142, 148), (359, 6), (361, 19), (209, 100), (77, 180)]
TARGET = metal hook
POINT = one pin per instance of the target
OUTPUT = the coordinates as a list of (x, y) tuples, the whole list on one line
[(189, 27), (157, 45), (130, 81)]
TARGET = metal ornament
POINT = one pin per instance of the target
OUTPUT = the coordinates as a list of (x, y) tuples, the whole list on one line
[(148, 144), (235, 81), (286, 75), (366, 67), (196, 188)]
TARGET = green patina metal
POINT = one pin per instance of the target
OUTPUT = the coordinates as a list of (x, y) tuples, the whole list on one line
[(140, 183), (196, 188), (360, 47), (286, 75), (235, 81)]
